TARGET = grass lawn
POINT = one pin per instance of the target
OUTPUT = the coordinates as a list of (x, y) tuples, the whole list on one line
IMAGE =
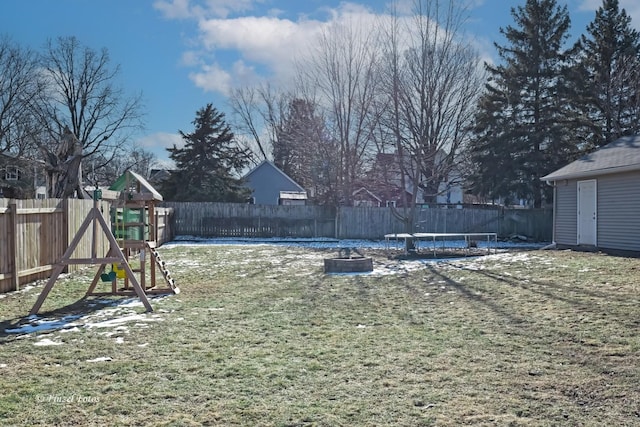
[(260, 336)]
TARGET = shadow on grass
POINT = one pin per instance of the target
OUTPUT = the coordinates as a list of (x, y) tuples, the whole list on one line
[(581, 298), (583, 348), (553, 290), (54, 320), (487, 302)]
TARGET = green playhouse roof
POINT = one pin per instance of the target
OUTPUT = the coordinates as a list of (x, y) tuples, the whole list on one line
[(130, 177)]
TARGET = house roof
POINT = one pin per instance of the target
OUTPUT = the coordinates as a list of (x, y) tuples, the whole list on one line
[(128, 177), (267, 163), (621, 155), (361, 189)]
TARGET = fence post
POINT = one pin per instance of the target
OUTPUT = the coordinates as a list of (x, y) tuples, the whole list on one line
[(13, 245), (66, 225)]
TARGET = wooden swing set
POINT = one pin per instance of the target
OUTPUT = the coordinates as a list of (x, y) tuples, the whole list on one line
[(133, 215)]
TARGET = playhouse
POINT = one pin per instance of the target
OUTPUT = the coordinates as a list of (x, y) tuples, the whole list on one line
[(132, 264)]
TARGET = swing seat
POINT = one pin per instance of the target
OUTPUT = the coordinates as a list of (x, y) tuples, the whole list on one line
[(108, 277), (118, 271)]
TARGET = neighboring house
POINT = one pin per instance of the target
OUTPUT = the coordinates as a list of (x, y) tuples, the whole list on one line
[(365, 198), (597, 198), (450, 191), (270, 186), (385, 182), (21, 178)]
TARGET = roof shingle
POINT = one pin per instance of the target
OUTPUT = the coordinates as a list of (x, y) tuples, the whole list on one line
[(621, 155)]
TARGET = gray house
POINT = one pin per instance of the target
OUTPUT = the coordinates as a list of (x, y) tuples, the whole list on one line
[(597, 198), (271, 186)]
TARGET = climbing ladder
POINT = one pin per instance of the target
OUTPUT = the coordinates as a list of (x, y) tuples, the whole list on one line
[(163, 269)]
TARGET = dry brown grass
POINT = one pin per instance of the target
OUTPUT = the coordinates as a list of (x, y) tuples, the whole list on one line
[(260, 336)]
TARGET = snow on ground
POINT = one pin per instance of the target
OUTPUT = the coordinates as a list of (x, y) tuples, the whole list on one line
[(329, 243), (37, 324), (114, 319), (290, 262), (116, 316), (100, 359), (46, 342), (121, 320)]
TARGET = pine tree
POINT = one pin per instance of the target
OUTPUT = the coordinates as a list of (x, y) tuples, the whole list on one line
[(206, 163), (523, 124), (608, 76)]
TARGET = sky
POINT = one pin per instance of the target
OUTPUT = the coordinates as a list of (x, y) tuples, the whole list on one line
[(183, 54)]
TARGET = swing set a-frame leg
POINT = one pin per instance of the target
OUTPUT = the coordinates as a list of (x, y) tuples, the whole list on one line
[(47, 288), (114, 251)]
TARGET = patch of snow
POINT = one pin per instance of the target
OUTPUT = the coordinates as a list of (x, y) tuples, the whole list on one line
[(329, 243), (99, 359), (73, 329), (130, 302), (47, 342), (38, 325), (118, 321), (119, 340), (3, 365), (143, 345)]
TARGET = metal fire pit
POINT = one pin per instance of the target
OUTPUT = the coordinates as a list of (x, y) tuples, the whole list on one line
[(348, 263)]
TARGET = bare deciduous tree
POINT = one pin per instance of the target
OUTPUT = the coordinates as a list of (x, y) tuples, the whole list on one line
[(19, 84), (342, 70), (257, 112), (83, 98), (433, 78)]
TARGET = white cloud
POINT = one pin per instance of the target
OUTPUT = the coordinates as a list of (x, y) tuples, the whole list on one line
[(183, 9), (224, 8), (241, 50), (190, 58), (270, 42), (160, 141), (213, 78), (244, 73), (174, 9)]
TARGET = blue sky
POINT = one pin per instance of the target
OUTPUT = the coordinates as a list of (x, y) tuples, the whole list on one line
[(183, 54)]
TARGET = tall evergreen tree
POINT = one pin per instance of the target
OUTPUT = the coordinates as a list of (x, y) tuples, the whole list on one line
[(206, 163), (523, 125), (608, 76)]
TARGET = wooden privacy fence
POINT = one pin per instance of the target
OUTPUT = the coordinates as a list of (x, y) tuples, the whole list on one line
[(35, 233), (244, 220)]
